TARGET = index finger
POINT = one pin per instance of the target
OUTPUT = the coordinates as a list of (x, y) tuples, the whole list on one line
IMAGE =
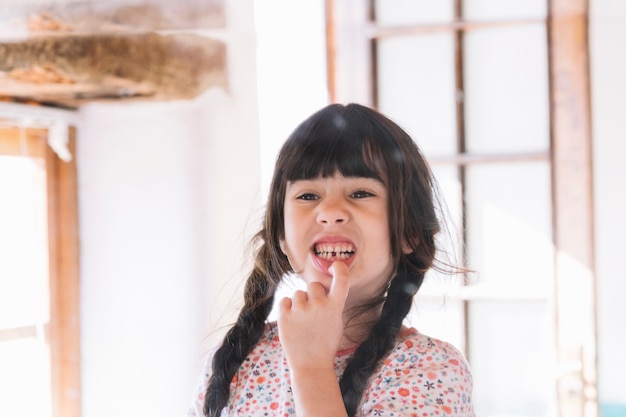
[(341, 282)]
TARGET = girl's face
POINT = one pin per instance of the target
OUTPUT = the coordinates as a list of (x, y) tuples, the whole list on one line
[(339, 219)]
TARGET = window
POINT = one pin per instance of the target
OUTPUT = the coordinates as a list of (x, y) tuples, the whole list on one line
[(496, 94), (39, 322)]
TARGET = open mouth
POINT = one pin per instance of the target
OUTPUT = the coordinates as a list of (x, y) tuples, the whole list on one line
[(334, 251)]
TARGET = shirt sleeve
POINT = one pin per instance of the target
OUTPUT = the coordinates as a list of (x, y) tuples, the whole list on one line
[(421, 377), (197, 403)]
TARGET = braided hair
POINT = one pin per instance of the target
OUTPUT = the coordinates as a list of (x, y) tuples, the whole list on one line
[(355, 141)]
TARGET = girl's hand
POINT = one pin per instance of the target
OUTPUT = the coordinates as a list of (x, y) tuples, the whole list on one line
[(310, 325)]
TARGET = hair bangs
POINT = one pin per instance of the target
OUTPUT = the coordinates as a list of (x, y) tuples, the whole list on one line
[(324, 149)]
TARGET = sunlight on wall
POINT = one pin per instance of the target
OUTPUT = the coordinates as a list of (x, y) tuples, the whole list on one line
[(291, 71)]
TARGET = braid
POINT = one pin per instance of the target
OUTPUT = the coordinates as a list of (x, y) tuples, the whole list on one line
[(381, 339), (240, 339)]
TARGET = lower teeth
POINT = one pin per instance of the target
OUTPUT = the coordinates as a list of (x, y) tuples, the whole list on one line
[(330, 255)]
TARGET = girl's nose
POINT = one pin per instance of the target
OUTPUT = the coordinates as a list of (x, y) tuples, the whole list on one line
[(332, 211)]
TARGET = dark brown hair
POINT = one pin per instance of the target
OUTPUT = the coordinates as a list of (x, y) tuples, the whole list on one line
[(355, 141)]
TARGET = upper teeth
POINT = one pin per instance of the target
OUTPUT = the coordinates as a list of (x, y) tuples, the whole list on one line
[(328, 250)]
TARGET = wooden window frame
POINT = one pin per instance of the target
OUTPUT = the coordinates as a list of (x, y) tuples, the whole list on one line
[(65, 282), (63, 329), (572, 196)]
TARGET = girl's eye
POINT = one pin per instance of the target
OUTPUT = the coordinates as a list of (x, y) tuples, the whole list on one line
[(361, 194), (307, 197)]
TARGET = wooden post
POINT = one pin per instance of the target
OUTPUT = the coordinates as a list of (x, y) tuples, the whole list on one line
[(573, 208), (64, 284)]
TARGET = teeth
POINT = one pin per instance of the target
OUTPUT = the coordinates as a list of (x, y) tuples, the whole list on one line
[(333, 251)]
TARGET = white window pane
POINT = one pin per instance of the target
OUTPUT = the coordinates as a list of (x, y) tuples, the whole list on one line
[(23, 242), (506, 90), (512, 359), (504, 9), (450, 201), (25, 378), (439, 317), (509, 229), (437, 310), (25, 381), (416, 88), (405, 12)]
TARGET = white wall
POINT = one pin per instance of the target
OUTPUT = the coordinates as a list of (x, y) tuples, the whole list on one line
[(291, 70), (608, 88), (167, 198)]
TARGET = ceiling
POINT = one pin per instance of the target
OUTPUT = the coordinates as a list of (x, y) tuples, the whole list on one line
[(68, 53)]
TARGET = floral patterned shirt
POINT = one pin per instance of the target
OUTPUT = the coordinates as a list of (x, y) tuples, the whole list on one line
[(420, 377)]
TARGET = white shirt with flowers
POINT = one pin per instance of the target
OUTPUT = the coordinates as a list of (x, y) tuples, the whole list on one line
[(420, 377)]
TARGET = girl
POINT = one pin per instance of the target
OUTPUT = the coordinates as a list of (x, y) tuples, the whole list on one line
[(351, 212)]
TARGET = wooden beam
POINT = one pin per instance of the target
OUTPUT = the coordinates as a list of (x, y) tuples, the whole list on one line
[(43, 17), (74, 69)]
